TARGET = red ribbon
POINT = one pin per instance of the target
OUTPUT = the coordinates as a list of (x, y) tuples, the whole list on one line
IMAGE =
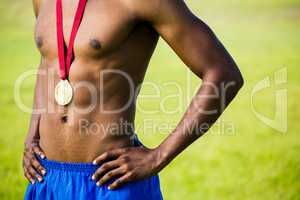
[(65, 61)]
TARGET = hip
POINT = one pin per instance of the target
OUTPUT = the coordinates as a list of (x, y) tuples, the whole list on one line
[(67, 180)]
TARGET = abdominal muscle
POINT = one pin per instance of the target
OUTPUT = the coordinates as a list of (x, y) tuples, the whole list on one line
[(77, 134), (81, 139)]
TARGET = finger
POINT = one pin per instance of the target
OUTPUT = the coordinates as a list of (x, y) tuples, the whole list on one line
[(110, 175), (39, 151), (31, 161), (120, 181), (28, 176), (33, 174), (109, 155), (104, 168), (38, 167)]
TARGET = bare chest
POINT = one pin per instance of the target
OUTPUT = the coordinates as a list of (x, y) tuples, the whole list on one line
[(104, 27)]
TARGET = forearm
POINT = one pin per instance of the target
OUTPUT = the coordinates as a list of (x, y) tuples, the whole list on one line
[(215, 93), (33, 132)]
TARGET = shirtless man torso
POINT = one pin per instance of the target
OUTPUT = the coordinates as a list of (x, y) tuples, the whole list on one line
[(112, 50)]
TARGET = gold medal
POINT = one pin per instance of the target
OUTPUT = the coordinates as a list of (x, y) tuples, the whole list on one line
[(63, 93)]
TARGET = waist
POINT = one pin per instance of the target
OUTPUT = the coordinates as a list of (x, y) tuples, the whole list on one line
[(80, 150), (84, 167)]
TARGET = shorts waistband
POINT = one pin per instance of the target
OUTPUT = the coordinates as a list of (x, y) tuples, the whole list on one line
[(67, 166)]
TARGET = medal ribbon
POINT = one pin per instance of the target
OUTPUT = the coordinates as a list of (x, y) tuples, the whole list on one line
[(65, 64)]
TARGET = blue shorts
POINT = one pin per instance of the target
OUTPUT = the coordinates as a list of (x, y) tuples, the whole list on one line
[(72, 181)]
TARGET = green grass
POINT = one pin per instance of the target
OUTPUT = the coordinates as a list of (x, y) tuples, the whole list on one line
[(253, 162)]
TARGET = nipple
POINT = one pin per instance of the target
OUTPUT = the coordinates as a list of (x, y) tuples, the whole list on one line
[(95, 44), (39, 42)]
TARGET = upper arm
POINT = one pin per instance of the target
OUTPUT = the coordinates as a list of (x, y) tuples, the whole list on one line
[(192, 40), (36, 6)]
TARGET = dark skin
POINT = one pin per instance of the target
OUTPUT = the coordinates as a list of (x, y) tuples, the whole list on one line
[(125, 36)]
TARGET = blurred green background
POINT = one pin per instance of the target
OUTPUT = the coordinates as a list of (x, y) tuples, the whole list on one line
[(253, 161)]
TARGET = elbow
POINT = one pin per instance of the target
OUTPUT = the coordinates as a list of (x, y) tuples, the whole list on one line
[(232, 82), (229, 77), (237, 79), (233, 78)]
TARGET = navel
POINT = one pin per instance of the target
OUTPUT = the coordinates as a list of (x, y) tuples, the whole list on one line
[(39, 42), (95, 44), (64, 119)]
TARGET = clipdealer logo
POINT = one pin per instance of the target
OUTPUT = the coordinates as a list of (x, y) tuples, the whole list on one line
[(279, 121)]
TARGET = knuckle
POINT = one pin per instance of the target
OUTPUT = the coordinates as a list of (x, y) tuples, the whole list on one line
[(130, 175), (41, 167), (109, 175), (122, 160), (31, 160), (27, 176), (36, 164), (126, 167), (36, 151), (129, 166), (125, 150), (32, 171), (30, 150), (26, 148), (26, 154), (118, 182), (105, 155), (26, 163), (126, 159), (104, 167), (96, 174), (123, 170)]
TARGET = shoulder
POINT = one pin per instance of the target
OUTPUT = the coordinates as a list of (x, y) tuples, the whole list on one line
[(145, 9), (157, 10)]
